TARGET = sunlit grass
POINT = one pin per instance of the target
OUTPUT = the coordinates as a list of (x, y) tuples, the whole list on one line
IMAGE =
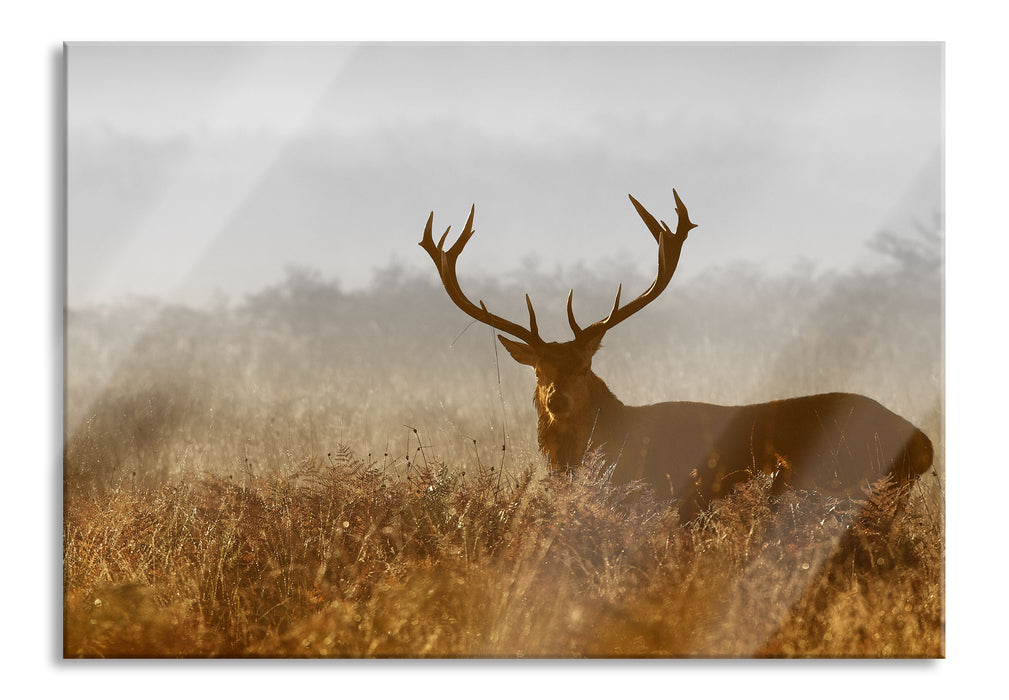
[(339, 559), (310, 473)]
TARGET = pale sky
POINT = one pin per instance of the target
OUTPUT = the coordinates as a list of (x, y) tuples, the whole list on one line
[(203, 168)]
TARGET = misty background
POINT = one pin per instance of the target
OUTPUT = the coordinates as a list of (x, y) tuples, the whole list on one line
[(201, 168), (245, 285)]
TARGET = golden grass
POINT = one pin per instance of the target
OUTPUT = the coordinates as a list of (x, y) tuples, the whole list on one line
[(338, 559)]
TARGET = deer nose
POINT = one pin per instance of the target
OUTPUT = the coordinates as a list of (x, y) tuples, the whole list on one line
[(559, 403)]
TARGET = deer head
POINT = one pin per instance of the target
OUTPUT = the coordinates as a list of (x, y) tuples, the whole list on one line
[(568, 394)]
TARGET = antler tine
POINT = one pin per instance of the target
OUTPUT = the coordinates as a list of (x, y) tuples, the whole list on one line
[(427, 233), (670, 244), (616, 303), (444, 261), (441, 241), (571, 316), (464, 237), (532, 318), (649, 220), (681, 211)]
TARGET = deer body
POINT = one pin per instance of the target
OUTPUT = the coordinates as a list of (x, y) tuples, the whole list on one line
[(832, 443), (835, 444)]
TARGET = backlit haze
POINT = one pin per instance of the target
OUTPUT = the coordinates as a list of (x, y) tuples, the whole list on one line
[(201, 170)]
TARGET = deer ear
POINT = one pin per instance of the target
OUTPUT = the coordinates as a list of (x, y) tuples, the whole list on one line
[(522, 353)]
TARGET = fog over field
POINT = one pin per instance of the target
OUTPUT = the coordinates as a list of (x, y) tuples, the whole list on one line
[(156, 390), (245, 287)]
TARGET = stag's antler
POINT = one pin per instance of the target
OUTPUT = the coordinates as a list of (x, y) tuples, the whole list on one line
[(670, 244), (444, 260)]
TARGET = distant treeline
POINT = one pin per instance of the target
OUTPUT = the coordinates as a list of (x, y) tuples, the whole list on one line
[(356, 366)]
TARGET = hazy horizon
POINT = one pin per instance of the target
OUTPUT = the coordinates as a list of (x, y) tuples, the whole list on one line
[(196, 169)]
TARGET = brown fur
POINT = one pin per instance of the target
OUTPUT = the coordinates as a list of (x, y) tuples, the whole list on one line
[(836, 444), (565, 442)]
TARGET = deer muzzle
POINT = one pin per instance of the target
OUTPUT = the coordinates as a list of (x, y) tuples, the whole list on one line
[(558, 403)]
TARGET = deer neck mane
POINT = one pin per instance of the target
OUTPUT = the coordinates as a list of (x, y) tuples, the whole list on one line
[(565, 442)]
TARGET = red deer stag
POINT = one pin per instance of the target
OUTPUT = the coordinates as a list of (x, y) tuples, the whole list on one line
[(831, 443)]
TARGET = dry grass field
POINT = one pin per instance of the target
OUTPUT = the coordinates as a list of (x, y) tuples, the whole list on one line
[(312, 472), (338, 560)]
